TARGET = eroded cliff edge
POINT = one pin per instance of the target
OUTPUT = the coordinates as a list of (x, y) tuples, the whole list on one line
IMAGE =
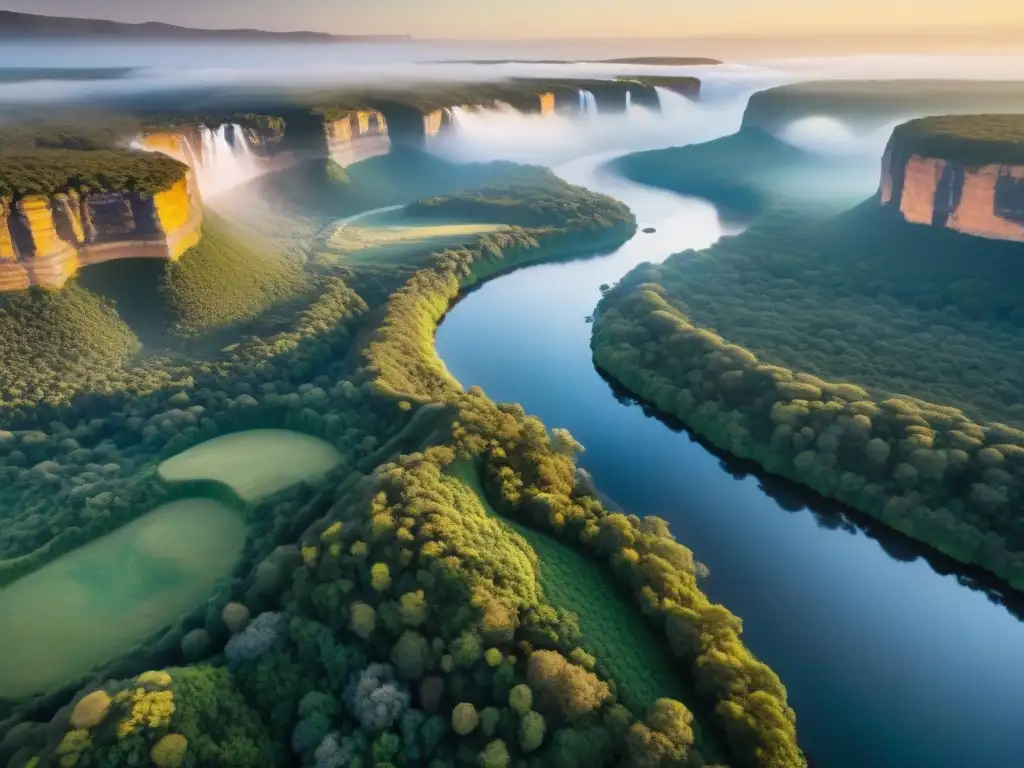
[(93, 210), (964, 173)]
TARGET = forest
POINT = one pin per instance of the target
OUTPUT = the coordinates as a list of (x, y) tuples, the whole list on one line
[(872, 360), (400, 610), (48, 171)]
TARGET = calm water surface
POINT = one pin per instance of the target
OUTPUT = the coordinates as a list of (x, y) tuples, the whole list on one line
[(888, 663)]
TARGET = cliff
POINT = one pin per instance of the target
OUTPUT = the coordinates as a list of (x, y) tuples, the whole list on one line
[(965, 173), (45, 239), (358, 135), (684, 86)]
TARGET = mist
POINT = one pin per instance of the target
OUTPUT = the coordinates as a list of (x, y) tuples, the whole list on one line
[(163, 66)]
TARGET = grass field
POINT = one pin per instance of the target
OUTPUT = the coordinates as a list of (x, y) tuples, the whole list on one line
[(388, 237), (255, 463), (613, 629), (98, 601)]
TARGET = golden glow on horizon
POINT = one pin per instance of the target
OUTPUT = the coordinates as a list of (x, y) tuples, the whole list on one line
[(675, 18), (523, 19)]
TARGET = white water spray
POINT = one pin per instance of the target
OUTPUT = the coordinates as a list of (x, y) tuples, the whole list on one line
[(505, 133), (225, 163), (830, 136), (588, 104)]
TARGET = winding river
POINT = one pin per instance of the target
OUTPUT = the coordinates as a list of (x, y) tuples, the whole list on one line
[(890, 660)]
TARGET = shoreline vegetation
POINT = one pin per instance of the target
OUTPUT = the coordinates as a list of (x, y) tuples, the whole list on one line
[(862, 412), (330, 643)]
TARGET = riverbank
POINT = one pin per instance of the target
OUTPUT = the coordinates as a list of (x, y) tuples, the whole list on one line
[(794, 571)]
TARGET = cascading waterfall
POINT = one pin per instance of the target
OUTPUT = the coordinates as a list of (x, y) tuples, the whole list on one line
[(503, 132), (226, 159), (588, 104), (830, 136), (629, 100), (675, 105)]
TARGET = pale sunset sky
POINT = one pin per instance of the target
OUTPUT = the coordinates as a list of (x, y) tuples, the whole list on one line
[(506, 19)]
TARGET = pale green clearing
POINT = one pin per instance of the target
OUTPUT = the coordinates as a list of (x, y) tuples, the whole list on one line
[(390, 237), (97, 602), (612, 629), (254, 464)]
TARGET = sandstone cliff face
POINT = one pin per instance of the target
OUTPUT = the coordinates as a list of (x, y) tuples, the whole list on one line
[(45, 240), (357, 136), (983, 201), (547, 103)]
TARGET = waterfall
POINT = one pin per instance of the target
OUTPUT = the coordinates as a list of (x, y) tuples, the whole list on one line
[(224, 163), (675, 105), (826, 135), (629, 100), (588, 104)]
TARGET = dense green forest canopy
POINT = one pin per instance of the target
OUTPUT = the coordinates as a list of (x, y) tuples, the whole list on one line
[(386, 613), (46, 172), (966, 139), (868, 358)]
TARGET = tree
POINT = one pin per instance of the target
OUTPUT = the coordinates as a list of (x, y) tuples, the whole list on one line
[(562, 688), (412, 608), (380, 577), (464, 718), (375, 698), (520, 698), (362, 619), (531, 731), (494, 755), (411, 655)]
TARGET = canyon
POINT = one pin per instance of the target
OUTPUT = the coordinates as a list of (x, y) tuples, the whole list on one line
[(46, 239)]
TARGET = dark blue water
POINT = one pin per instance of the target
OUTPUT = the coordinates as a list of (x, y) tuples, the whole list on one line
[(888, 663)]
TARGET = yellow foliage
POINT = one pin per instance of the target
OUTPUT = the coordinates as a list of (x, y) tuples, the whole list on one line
[(91, 710), (359, 549), (72, 746), (150, 709), (309, 556), (333, 532), (334, 550), (156, 677), (169, 752)]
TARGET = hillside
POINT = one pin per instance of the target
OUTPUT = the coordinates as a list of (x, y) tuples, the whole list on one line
[(29, 25)]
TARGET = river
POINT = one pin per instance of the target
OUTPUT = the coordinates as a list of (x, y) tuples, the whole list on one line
[(888, 662)]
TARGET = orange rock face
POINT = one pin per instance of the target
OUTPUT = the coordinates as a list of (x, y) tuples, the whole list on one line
[(44, 241), (977, 212), (970, 196), (359, 135), (7, 252), (920, 181)]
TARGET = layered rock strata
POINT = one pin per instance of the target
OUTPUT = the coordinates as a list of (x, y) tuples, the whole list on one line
[(45, 240)]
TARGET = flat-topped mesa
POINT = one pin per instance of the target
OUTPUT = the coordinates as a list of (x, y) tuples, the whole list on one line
[(965, 173), (47, 236), (866, 105)]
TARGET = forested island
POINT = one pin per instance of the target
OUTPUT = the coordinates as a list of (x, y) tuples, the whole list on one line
[(429, 580), (867, 357)]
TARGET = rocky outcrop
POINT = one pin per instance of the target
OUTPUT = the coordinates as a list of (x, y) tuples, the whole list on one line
[(983, 200), (356, 136), (45, 240)]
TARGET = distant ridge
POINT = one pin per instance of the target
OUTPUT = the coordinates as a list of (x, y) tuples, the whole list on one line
[(22, 26)]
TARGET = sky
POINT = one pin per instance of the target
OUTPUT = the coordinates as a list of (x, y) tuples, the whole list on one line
[(508, 19)]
